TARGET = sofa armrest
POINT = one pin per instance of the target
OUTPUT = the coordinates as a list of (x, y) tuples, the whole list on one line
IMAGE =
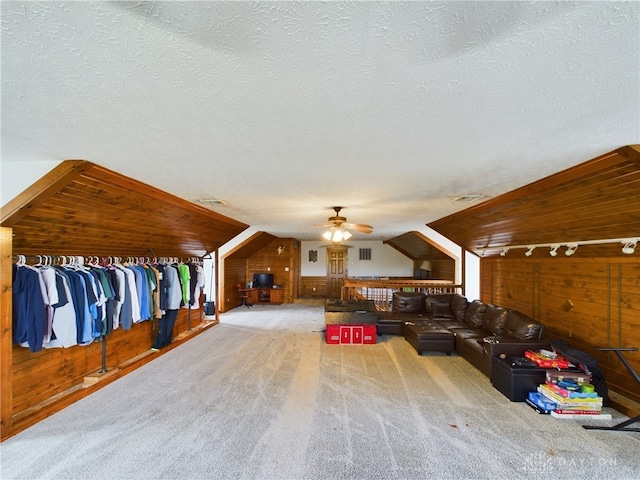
[(511, 347)]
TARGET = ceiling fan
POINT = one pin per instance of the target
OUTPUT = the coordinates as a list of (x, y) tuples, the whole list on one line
[(340, 223)]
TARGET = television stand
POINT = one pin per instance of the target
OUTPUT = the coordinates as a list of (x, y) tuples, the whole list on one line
[(266, 296)]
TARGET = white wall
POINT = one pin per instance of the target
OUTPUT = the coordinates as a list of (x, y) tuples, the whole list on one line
[(385, 261), (18, 176), (472, 280)]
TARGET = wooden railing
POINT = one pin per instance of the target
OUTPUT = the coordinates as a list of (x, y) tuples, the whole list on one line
[(381, 291)]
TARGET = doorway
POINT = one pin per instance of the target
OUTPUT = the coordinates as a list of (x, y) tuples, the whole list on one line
[(336, 270)]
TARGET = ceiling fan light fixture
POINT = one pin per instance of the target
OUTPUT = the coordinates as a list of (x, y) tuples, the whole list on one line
[(336, 235)]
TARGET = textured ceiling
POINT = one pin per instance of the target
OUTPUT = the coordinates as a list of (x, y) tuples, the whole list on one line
[(284, 109)]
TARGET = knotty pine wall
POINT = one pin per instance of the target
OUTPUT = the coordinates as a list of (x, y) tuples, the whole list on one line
[(238, 270), (43, 375), (589, 302), (282, 266), (313, 286), (235, 272), (91, 211), (443, 269)]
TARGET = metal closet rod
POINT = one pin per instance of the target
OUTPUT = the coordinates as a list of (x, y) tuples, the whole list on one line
[(54, 258)]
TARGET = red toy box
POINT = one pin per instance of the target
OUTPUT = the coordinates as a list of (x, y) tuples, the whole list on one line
[(351, 334)]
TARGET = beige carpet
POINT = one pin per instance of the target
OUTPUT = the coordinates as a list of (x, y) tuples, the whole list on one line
[(261, 396)]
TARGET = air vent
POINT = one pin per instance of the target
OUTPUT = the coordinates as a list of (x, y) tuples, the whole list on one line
[(365, 254), (213, 201), (470, 197)]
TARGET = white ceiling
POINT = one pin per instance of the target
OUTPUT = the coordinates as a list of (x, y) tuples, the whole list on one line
[(284, 109)]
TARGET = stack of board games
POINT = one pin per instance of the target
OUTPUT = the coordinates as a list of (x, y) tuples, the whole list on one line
[(567, 395)]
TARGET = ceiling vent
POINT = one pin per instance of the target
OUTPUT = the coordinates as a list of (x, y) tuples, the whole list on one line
[(470, 197), (213, 201)]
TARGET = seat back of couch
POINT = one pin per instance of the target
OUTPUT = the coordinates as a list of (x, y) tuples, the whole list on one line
[(495, 319), (475, 313), (408, 302), (522, 326)]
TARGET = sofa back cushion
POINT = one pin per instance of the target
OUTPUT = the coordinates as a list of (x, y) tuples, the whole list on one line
[(521, 326), (475, 313), (439, 305), (459, 306), (494, 319), (408, 302)]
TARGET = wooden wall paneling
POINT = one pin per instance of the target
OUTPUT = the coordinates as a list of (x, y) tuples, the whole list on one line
[(49, 184), (590, 303), (42, 375), (315, 286), (267, 260), (82, 209), (234, 273), (443, 269)]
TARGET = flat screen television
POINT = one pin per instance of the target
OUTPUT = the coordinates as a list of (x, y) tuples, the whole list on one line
[(264, 280)]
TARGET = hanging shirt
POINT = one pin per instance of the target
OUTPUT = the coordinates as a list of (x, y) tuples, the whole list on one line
[(174, 289), (185, 278), (65, 330), (198, 287), (29, 310)]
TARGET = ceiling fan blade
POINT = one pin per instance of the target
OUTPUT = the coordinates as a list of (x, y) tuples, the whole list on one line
[(360, 227)]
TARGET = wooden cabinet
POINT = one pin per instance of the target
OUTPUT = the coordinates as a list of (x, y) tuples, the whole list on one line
[(274, 296)]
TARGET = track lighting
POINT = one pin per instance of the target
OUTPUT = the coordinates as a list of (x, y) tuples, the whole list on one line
[(629, 247), (571, 249)]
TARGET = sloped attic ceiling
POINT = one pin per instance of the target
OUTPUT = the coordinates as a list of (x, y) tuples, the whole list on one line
[(596, 200), (83, 209)]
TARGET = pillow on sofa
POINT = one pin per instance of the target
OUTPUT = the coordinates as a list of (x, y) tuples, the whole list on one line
[(408, 302), (494, 319), (438, 305), (475, 313), (459, 305), (441, 310), (522, 326)]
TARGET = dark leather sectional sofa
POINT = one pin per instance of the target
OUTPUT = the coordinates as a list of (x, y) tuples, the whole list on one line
[(481, 331)]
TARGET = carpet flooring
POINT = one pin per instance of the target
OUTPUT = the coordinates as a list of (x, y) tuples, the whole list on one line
[(262, 396)]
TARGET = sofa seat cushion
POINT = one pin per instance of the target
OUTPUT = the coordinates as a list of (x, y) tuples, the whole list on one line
[(519, 325), (452, 323), (469, 332), (408, 302), (494, 319), (472, 344), (475, 313)]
